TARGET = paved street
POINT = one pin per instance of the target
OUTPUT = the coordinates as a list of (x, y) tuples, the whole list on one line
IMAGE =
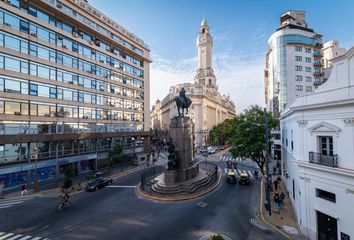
[(118, 212)]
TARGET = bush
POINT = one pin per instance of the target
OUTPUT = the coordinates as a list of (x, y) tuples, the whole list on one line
[(67, 183), (69, 171), (217, 237)]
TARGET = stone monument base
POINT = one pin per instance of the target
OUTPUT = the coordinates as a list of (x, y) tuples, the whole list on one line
[(181, 175)]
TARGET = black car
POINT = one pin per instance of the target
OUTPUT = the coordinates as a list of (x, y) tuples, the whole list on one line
[(98, 183)]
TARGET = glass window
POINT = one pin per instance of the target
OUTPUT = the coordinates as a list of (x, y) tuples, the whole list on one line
[(43, 72), (12, 86), (24, 88), (298, 78), (308, 69), (298, 68), (33, 50), (43, 91), (308, 79), (34, 109), (12, 64), (81, 97), (308, 89), (24, 47), (298, 48), (43, 110), (308, 59), (11, 21), (308, 50), (33, 89), (298, 58), (43, 53), (13, 108), (299, 87), (12, 43), (24, 67), (43, 34), (52, 92), (24, 27)]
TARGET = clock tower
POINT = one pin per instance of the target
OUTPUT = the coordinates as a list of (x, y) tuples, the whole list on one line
[(205, 74)]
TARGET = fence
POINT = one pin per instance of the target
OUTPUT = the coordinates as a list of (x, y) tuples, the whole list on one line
[(148, 175)]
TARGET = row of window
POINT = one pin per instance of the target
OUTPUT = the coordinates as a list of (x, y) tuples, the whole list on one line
[(50, 91), (299, 59), (57, 110), (68, 27), (301, 88), (61, 127), (47, 35), (38, 70), (300, 78), (299, 68), (299, 49)]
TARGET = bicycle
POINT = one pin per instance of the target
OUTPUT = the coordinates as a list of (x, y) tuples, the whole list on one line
[(62, 205)]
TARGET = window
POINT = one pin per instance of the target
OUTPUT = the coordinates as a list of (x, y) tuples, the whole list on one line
[(33, 89), (308, 60), (308, 79), (298, 48), (326, 145), (308, 89), (317, 70), (298, 78), (325, 195), (52, 92), (308, 50), (298, 68), (81, 97), (308, 69), (298, 58), (24, 27), (299, 87)]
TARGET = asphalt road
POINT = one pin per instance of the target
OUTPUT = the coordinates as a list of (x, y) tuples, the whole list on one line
[(119, 212)]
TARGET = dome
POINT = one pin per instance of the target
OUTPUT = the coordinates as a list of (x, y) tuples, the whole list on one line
[(204, 22)]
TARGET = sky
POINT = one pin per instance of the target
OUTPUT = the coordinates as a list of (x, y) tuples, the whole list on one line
[(240, 31)]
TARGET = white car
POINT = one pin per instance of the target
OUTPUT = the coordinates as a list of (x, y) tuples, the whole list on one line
[(211, 150)]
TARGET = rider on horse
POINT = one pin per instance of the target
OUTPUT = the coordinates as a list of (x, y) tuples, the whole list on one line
[(182, 95)]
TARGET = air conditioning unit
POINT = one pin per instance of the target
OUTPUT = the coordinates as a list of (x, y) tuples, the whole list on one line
[(90, 42), (101, 61), (70, 82), (75, 34), (86, 117), (34, 34), (8, 2), (80, 84), (17, 113), (7, 24), (101, 89), (64, 46)]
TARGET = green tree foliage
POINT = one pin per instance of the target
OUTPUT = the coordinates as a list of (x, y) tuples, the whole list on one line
[(217, 237), (69, 171), (246, 133), (115, 154)]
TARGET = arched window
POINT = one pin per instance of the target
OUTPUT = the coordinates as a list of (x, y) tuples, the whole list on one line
[(203, 30), (210, 82)]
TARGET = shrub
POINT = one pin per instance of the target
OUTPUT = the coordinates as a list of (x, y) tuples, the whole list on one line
[(67, 183), (217, 237)]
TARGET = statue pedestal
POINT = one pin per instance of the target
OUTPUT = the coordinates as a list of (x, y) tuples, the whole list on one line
[(170, 176), (181, 131)]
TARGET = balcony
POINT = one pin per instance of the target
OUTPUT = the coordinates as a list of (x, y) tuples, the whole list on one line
[(317, 54), (321, 159), (317, 65), (318, 74)]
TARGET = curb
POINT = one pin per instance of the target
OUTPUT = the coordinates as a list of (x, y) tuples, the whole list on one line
[(263, 218), (179, 198)]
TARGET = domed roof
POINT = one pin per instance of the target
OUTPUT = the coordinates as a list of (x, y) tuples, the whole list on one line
[(204, 22)]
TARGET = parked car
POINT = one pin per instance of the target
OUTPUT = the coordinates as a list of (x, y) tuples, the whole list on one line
[(244, 179), (211, 150), (231, 177), (98, 183), (202, 151), (222, 147)]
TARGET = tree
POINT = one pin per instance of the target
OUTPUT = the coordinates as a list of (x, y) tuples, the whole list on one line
[(248, 134), (115, 154), (220, 134)]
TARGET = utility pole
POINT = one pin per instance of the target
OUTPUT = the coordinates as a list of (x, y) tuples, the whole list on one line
[(267, 161), (35, 184)]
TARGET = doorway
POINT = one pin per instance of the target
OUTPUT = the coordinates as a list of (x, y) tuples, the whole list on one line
[(326, 227)]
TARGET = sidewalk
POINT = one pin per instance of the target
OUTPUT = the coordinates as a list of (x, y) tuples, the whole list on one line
[(283, 220), (52, 188)]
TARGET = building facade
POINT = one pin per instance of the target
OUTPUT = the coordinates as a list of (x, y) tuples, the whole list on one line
[(317, 154), (209, 107), (73, 83), (293, 62)]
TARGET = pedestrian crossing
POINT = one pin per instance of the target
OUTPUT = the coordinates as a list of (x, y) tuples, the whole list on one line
[(240, 161), (239, 171), (14, 236), (226, 158), (6, 203)]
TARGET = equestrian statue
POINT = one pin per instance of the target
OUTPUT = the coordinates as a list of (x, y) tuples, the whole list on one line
[(183, 102)]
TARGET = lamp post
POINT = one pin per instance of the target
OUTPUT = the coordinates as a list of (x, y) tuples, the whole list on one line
[(35, 184), (267, 159)]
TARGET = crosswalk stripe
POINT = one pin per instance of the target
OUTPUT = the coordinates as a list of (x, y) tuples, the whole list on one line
[(24, 238), (2, 233), (15, 237), (6, 206), (10, 203), (250, 174), (6, 236), (36, 238), (225, 170), (18, 198)]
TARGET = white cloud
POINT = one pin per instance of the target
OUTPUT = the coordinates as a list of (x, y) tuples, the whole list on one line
[(239, 75)]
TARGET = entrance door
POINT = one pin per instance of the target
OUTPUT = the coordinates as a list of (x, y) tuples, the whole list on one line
[(326, 227)]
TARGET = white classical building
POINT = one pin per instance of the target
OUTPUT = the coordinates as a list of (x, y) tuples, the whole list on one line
[(318, 154), (209, 107)]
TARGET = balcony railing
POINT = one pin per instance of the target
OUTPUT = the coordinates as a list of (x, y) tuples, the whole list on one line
[(327, 160)]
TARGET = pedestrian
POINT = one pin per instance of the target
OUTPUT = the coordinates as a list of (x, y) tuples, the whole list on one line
[(281, 198), (274, 170), (24, 190), (275, 184), (256, 174), (276, 201)]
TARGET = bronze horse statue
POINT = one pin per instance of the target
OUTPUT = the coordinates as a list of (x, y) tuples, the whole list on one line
[(183, 102)]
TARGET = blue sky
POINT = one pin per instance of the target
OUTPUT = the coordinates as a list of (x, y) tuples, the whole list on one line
[(240, 29)]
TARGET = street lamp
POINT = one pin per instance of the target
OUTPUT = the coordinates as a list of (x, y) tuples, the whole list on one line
[(35, 184)]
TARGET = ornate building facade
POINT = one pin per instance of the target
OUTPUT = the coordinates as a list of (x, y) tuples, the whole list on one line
[(209, 107)]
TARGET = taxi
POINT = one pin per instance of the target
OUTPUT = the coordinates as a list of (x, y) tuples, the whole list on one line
[(244, 179), (231, 177)]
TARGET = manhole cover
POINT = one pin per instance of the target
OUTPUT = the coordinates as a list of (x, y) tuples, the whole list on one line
[(202, 204)]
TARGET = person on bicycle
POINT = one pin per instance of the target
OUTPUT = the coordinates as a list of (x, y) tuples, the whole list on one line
[(65, 198)]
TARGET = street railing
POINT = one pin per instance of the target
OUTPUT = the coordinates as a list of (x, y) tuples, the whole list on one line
[(148, 175)]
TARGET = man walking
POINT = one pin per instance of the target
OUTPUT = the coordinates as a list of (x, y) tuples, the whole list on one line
[(24, 190), (276, 184)]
